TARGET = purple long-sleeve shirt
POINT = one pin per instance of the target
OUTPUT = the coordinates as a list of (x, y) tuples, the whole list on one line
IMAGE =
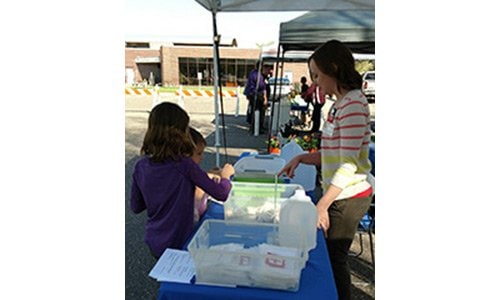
[(251, 84), (166, 191)]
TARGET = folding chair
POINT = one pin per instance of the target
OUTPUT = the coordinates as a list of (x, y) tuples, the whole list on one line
[(367, 223), (367, 226)]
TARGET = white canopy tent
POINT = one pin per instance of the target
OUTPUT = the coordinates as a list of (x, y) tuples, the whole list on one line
[(216, 6), (284, 5)]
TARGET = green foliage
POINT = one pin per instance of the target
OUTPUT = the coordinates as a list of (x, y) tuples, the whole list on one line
[(306, 142), (274, 142)]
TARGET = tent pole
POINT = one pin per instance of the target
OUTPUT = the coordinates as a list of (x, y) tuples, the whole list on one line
[(216, 90), (274, 101), (255, 125), (221, 97), (280, 64)]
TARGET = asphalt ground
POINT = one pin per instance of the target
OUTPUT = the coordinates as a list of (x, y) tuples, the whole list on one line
[(237, 139)]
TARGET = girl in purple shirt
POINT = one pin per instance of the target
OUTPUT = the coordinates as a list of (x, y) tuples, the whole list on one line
[(164, 179)]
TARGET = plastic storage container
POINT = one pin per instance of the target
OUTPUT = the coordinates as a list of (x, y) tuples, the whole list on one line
[(298, 212), (246, 254), (258, 168), (255, 202)]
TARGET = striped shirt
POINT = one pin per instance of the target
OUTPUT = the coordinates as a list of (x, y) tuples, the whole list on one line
[(345, 141)]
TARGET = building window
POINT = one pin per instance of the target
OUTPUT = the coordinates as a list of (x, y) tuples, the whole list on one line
[(183, 71), (233, 71), (136, 45), (243, 67)]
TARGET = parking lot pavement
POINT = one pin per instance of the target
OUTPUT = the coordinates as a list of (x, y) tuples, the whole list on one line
[(237, 139)]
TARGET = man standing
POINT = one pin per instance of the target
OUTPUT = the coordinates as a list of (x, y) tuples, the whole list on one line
[(255, 91)]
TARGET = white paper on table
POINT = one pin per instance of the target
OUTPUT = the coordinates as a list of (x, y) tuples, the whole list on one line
[(174, 265), (279, 250)]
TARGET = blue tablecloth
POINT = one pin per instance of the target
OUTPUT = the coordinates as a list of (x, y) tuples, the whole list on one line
[(299, 108), (371, 156), (316, 281)]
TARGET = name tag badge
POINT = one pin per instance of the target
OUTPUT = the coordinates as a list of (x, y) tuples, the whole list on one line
[(331, 114), (329, 119), (328, 129)]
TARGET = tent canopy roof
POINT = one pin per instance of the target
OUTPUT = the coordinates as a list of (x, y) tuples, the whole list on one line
[(355, 28), (290, 56), (289, 5), (303, 56)]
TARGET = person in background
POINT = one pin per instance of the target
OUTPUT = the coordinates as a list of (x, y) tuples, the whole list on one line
[(303, 89), (256, 93), (200, 197), (269, 93), (343, 157), (303, 85), (314, 95), (165, 177)]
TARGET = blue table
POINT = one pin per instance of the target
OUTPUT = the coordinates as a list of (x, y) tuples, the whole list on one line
[(299, 108), (316, 281), (371, 156)]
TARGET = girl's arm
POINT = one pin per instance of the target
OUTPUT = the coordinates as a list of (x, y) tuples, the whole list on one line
[(218, 190), (324, 203), (305, 158)]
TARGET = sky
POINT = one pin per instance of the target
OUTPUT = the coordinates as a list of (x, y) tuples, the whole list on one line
[(186, 20)]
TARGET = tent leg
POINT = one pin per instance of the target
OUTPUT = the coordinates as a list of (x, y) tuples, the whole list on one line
[(216, 92), (256, 122)]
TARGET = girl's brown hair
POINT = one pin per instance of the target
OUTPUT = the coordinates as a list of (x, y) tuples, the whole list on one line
[(167, 136), (334, 59), (197, 138)]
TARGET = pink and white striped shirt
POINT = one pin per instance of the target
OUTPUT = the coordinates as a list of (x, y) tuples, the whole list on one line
[(345, 141)]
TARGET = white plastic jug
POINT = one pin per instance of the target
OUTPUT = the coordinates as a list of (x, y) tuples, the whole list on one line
[(305, 175), (298, 219)]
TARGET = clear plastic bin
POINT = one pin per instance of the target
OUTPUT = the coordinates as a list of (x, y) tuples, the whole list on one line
[(258, 168), (255, 202), (246, 254)]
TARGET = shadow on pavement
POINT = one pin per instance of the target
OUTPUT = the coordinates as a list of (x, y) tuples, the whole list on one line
[(138, 261)]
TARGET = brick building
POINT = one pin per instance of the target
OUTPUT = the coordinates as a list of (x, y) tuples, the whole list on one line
[(191, 64)]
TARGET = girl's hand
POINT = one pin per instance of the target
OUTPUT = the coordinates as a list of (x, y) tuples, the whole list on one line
[(323, 219), (289, 168), (227, 171), (215, 178)]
